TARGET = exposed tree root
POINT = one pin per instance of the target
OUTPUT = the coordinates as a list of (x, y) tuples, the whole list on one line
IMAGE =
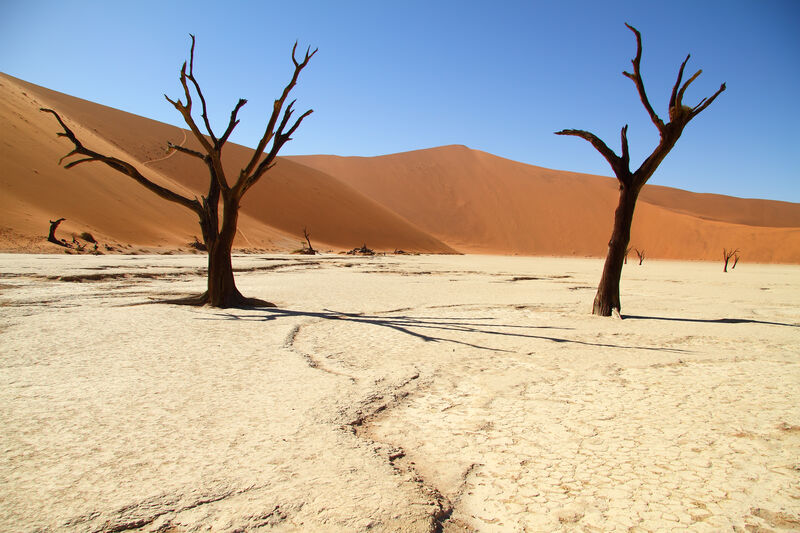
[(237, 301)]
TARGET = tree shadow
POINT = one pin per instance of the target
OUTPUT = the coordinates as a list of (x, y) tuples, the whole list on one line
[(408, 324), (711, 320)]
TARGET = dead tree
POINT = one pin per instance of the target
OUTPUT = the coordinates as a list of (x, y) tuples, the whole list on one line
[(52, 236), (627, 251), (726, 256), (218, 229), (307, 236), (735, 261), (631, 182), (640, 255)]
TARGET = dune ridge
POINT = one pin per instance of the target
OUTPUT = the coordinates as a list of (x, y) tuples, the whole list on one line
[(439, 200)]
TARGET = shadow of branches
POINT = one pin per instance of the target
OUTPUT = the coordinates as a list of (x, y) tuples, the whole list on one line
[(411, 325), (711, 320)]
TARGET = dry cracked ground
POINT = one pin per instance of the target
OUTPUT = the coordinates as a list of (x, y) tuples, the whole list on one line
[(398, 394)]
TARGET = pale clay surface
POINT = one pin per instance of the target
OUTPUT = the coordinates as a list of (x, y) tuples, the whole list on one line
[(398, 394)]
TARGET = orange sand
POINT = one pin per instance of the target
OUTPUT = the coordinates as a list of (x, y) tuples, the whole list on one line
[(438, 200)]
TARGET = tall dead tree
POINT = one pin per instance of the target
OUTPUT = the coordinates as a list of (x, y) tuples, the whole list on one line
[(631, 182), (218, 229)]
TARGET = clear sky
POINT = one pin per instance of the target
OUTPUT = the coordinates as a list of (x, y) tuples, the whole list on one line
[(498, 76)]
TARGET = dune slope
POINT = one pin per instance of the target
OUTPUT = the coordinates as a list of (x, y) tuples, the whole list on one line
[(479, 202), (437, 200), (97, 199)]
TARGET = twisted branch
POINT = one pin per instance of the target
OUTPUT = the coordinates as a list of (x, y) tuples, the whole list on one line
[(637, 78), (118, 165)]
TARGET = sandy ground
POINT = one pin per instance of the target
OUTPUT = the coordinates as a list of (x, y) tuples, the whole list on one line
[(398, 394)]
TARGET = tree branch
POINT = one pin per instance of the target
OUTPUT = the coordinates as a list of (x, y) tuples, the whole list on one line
[(213, 150), (233, 122), (673, 97), (121, 166), (637, 79), (705, 103), (278, 142), (188, 151), (269, 131), (186, 113), (199, 92), (685, 86), (625, 160), (297, 124), (618, 164)]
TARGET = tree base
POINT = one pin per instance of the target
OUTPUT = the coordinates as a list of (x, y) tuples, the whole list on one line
[(603, 311), (236, 301), (606, 306)]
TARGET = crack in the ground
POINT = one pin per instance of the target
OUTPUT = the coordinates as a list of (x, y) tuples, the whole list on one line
[(359, 424), (150, 510), (289, 344)]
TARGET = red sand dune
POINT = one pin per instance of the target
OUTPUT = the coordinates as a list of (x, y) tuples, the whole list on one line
[(114, 208), (478, 202), (436, 200)]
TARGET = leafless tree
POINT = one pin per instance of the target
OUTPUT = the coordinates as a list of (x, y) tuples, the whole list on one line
[(218, 229), (631, 182), (726, 256), (627, 251), (640, 255), (52, 235), (310, 250), (735, 261)]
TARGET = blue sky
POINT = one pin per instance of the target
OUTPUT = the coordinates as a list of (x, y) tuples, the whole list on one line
[(496, 76)]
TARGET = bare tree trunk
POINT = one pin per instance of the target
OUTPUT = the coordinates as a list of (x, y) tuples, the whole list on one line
[(607, 298), (52, 236), (222, 290)]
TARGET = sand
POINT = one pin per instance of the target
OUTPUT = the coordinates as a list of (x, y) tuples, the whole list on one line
[(437, 200), (118, 211), (481, 203), (398, 393)]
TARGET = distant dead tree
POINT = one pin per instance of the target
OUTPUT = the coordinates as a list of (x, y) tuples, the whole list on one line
[(640, 255), (631, 183), (307, 237), (310, 250), (627, 251), (52, 236), (218, 234), (735, 261), (726, 256)]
